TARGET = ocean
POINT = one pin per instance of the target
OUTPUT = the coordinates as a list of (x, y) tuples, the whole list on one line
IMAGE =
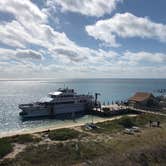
[(13, 93)]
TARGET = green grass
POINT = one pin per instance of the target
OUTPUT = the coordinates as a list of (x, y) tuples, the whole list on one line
[(149, 148), (22, 139), (114, 126), (63, 134), (126, 122), (107, 127), (144, 119), (61, 154), (145, 148), (6, 142), (5, 147)]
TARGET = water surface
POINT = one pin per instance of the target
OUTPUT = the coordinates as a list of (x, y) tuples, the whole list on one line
[(13, 93)]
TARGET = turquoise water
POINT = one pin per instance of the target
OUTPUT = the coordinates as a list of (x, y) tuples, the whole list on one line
[(13, 93)]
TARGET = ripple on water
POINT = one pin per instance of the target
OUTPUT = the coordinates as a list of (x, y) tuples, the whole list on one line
[(13, 93)]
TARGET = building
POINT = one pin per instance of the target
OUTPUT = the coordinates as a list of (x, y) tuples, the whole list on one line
[(143, 99)]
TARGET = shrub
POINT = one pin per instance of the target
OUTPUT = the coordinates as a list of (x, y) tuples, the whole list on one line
[(63, 134), (26, 138), (126, 122), (5, 147)]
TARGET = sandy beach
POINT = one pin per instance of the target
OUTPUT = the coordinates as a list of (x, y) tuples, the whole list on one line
[(70, 124)]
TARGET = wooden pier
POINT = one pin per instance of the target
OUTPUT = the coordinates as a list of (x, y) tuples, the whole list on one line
[(114, 109), (111, 110)]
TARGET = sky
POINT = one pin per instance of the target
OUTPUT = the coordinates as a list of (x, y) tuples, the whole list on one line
[(82, 39)]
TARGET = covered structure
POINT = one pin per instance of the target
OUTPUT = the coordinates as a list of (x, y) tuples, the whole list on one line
[(143, 99)]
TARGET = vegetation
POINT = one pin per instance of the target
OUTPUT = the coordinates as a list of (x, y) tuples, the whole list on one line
[(145, 148), (126, 122), (114, 126), (148, 148), (144, 119), (5, 147), (21, 139), (6, 142), (63, 134), (63, 154)]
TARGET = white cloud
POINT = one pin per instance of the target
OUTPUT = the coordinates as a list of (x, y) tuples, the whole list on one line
[(28, 54), (24, 10), (144, 57), (30, 28), (20, 55), (86, 7), (37, 50), (107, 64), (126, 25)]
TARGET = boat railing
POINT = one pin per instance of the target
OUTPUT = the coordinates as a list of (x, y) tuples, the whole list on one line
[(80, 97)]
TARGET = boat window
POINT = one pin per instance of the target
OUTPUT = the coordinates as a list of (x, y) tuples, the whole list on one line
[(82, 101), (68, 102), (66, 96)]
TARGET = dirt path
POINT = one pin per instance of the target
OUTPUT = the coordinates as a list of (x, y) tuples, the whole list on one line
[(147, 111), (16, 149)]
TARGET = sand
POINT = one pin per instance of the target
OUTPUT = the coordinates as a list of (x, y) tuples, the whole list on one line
[(53, 127)]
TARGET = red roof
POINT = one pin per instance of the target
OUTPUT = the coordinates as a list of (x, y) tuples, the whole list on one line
[(141, 96)]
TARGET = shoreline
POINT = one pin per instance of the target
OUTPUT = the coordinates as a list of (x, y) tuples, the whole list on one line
[(53, 127)]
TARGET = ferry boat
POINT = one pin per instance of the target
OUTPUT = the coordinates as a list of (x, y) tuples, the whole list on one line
[(62, 101)]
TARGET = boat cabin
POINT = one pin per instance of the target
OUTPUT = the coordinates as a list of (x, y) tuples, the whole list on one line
[(62, 93)]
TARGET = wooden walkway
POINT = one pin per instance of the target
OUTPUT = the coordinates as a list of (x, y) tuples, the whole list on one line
[(116, 108)]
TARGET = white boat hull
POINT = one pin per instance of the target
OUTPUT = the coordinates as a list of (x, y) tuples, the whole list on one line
[(56, 110)]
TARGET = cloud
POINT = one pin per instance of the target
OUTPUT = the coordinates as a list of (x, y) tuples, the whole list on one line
[(29, 38), (126, 25), (24, 11), (106, 64), (73, 55), (30, 47), (86, 7), (20, 55), (144, 57), (28, 54), (24, 28)]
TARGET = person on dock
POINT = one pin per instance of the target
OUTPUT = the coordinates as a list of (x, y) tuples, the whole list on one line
[(158, 123)]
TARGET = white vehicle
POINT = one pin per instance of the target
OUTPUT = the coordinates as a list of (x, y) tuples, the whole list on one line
[(60, 102), (128, 131), (136, 129)]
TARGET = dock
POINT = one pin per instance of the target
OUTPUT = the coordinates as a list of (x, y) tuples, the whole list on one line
[(115, 109), (111, 110)]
